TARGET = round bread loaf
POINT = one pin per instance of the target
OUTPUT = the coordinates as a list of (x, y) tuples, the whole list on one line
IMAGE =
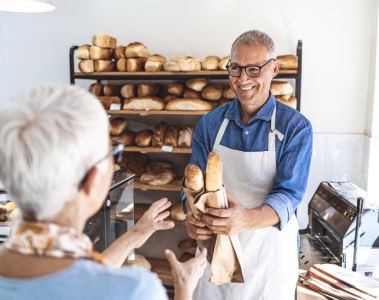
[(96, 89), (119, 52), (175, 88), (117, 125), (83, 52), (127, 138), (121, 64), (228, 92), (222, 63), (176, 212), (148, 89), (196, 84), (104, 41), (128, 90), (281, 87), (212, 92), (111, 89), (288, 62), (135, 64), (86, 66), (161, 177), (143, 138), (210, 63), (182, 63), (191, 94), (136, 49), (155, 63)]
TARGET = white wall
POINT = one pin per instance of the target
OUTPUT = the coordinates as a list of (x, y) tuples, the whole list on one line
[(337, 43)]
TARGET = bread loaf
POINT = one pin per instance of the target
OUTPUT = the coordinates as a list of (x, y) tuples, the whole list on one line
[(128, 90), (191, 94), (121, 64), (136, 49), (107, 101), (104, 41), (96, 89), (143, 138), (155, 63), (193, 178), (213, 172), (144, 103), (176, 212), (288, 62), (111, 89), (159, 134), (102, 65), (135, 64), (126, 138), (117, 125), (148, 89), (223, 62), (228, 92), (161, 177), (196, 84), (281, 87), (171, 136), (100, 53), (188, 104), (175, 88), (185, 136), (86, 66), (212, 92), (83, 52), (119, 52), (210, 63), (182, 63)]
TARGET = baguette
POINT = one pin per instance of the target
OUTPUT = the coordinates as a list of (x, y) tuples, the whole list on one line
[(213, 173), (193, 178)]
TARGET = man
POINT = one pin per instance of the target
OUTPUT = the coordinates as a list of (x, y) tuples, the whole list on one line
[(266, 149)]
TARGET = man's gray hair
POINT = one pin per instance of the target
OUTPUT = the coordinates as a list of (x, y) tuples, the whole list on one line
[(256, 37)]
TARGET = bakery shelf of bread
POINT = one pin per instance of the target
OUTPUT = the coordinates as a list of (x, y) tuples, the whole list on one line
[(157, 112), (175, 185)]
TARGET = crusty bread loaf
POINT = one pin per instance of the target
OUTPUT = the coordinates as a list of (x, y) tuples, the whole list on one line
[(148, 89), (155, 63), (135, 64), (136, 49), (188, 104), (222, 63), (210, 63), (143, 138), (86, 66), (100, 53), (159, 134), (196, 84), (191, 94), (102, 65), (108, 101), (117, 125), (193, 178), (176, 212), (212, 92), (281, 87), (182, 63), (144, 103), (213, 172), (288, 62), (128, 90), (96, 89), (111, 89), (171, 136), (126, 138), (104, 41), (121, 64), (119, 52), (161, 177), (83, 51), (185, 136), (175, 88), (228, 92)]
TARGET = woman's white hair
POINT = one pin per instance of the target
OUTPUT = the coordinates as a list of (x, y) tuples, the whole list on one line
[(49, 138)]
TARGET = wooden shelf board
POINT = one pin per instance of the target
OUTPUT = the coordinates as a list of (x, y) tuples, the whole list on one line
[(157, 112), (145, 150), (173, 186)]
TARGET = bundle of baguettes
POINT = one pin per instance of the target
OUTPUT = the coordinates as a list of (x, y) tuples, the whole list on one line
[(206, 190)]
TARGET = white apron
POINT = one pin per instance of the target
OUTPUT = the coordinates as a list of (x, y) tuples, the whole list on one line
[(270, 262)]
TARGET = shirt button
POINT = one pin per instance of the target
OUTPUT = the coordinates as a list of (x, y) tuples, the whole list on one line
[(246, 132)]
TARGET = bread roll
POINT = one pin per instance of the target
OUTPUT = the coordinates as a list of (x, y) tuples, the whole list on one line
[(119, 52), (126, 138), (135, 64), (155, 63), (83, 52), (100, 53), (104, 41), (117, 125), (128, 90), (213, 172), (144, 103), (159, 134), (228, 92), (196, 84), (188, 104), (176, 212), (102, 65), (281, 87), (175, 88), (148, 89), (193, 178), (288, 62), (171, 136), (136, 49), (143, 138), (222, 63), (96, 89), (121, 64), (111, 89), (185, 137), (162, 177), (191, 94), (107, 101), (212, 92), (210, 63), (86, 66)]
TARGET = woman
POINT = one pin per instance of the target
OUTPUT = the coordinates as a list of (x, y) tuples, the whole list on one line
[(57, 166)]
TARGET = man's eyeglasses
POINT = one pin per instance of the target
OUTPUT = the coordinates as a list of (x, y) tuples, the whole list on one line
[(116, 152), (251, 71)]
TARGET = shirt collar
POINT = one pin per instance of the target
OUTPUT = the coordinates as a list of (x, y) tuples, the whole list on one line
[(265, 112)]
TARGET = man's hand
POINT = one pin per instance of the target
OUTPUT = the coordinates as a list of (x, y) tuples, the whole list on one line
[(197, 229)]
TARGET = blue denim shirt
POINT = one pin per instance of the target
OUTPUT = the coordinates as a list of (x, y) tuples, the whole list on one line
[(293, 153)]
